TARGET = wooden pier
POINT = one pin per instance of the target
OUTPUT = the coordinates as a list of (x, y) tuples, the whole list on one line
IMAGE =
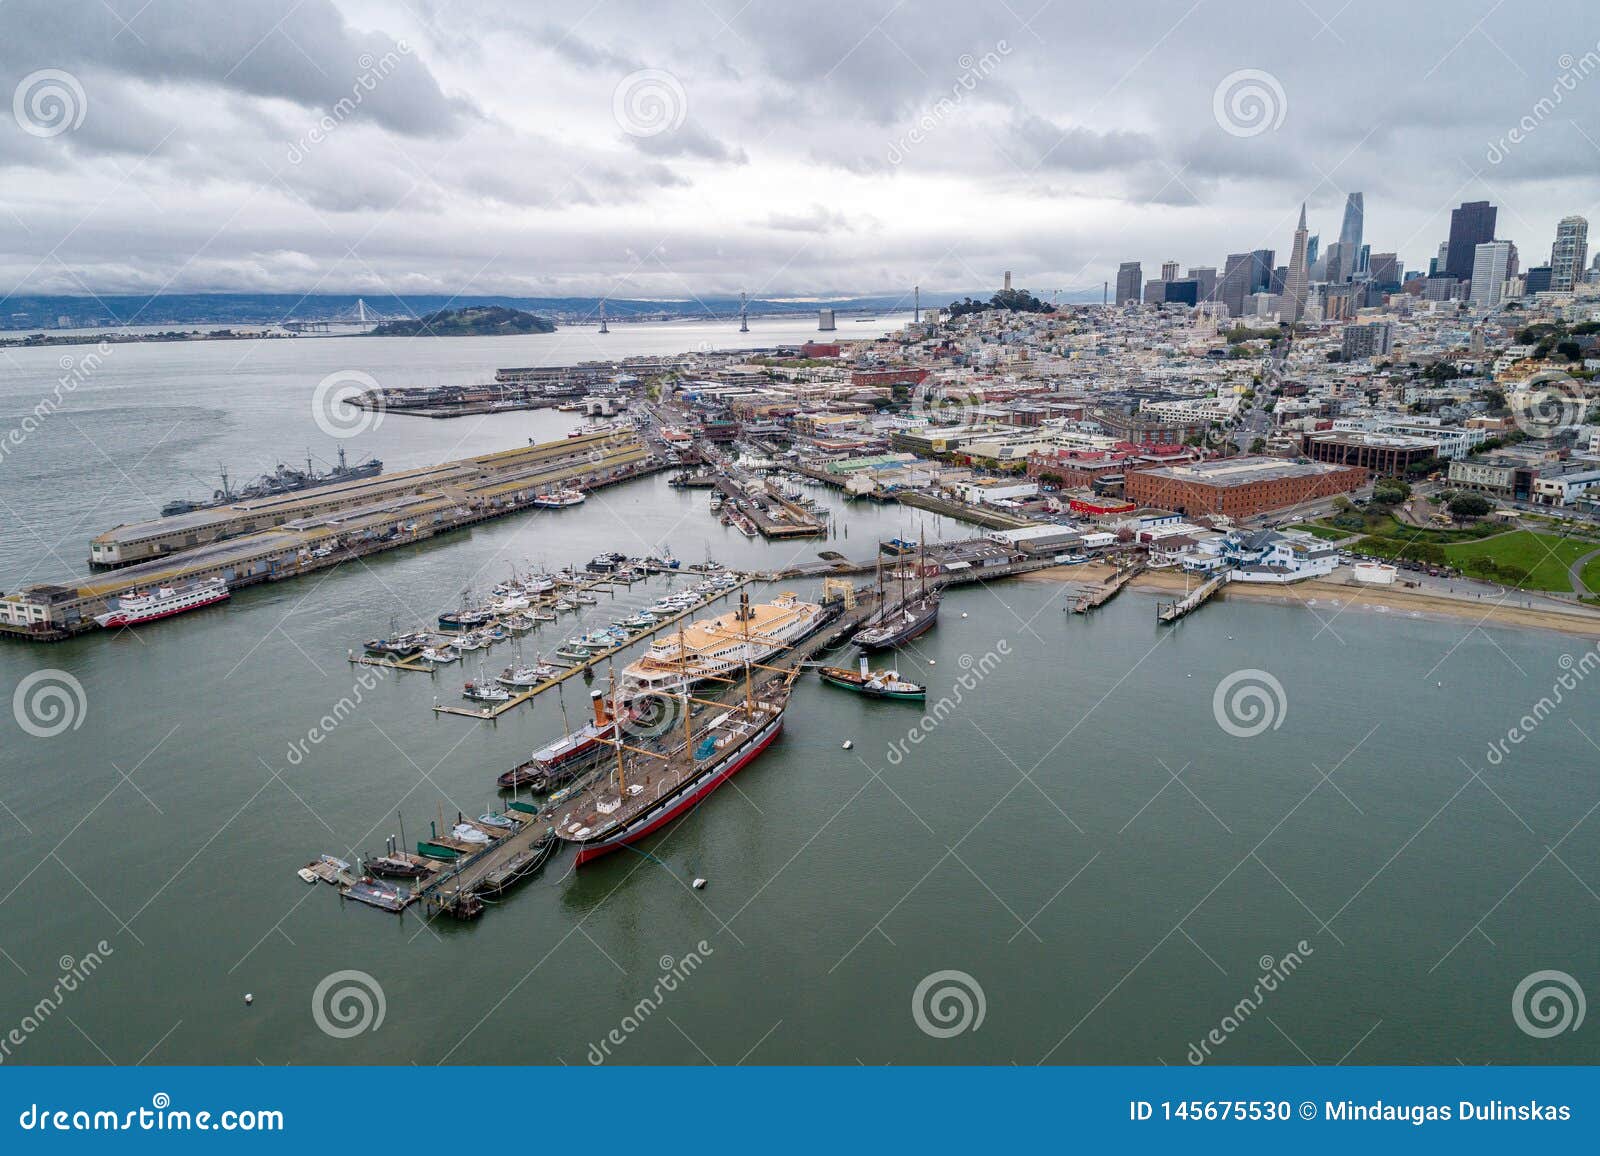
[(1176, 609), (1107, 590)]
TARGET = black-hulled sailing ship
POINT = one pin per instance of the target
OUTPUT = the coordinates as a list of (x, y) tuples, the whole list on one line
[(898, 622)]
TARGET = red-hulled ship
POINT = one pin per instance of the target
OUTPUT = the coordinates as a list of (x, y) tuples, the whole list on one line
[(560, 761), (138, 606), (647, 788)]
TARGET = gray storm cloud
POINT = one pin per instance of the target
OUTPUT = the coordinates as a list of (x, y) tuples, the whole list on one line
[(828, 147)]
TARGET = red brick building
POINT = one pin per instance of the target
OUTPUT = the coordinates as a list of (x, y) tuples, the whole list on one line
[(1240, 487)]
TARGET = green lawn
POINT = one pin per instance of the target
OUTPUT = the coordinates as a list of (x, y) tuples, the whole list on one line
[(1591, 575), (1521, 558), (1317, 530)]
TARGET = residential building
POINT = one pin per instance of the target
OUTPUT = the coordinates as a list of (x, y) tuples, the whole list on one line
[(1569, 253)]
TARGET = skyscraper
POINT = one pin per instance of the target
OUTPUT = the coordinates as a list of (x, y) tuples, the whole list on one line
[(1492, 263), (1204, 276), (1130, 280), (1294, 284), (1569, 253), (1349, 237), (1235, 283), (1384, 269), (1470, 226), (1169, 270)]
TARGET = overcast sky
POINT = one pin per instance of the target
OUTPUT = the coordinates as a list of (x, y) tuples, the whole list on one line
[(794, 148)]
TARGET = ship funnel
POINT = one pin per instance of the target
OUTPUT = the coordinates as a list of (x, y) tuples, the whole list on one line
[(599, 701)]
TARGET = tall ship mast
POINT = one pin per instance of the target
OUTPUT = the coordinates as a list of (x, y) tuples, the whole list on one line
[(647, 788), (894, 625)]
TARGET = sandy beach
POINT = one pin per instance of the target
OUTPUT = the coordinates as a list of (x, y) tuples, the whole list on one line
[(1341, 593)]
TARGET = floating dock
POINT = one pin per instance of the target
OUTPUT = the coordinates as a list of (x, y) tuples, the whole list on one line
[(494, 711)]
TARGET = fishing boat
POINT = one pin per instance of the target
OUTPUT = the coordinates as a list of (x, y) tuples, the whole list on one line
[(573, 653), (644, 790), (136, 606), (472, 640), (872, 683), (520, 676), (440, 655), (584, 598), (639, 621), (557, 762), (541, 616), (605, 563), (713, 647), (482, 690), (398, 646)]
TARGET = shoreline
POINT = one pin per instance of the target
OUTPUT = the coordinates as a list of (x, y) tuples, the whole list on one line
[(1340, 595)]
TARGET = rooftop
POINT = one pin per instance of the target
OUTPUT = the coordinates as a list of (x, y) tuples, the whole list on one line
[(1240, 471)]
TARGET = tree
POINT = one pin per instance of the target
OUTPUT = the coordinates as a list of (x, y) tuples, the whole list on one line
[(1470, 506), (1571, 350), (1257, 445)]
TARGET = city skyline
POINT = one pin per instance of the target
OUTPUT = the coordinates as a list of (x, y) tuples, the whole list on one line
[(682, 150)]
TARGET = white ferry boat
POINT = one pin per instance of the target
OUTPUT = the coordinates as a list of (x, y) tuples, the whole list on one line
[(138, 606), (714, 647)]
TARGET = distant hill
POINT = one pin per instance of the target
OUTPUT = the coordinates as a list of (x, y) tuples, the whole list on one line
[(473, 321)]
